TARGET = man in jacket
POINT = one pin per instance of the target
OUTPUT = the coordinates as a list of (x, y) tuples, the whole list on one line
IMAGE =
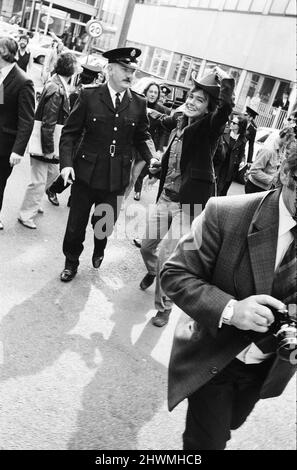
[(53, 109), (251, 131), (17, 103), (113, 119), (236, 266), (187, 176)]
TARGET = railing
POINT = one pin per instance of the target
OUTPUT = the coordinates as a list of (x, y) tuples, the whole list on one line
[(268, 116)]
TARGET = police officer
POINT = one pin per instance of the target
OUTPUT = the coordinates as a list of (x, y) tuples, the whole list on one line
[(251, 130), (113, 120)]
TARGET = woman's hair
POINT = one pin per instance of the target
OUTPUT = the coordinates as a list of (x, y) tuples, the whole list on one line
[(148, 87), (212, 102), (8, 49), (66, 64), (242, 124)]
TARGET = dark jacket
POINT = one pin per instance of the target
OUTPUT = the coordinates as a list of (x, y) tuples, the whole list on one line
[(53, 108), (250, 137), (158, 132), (103, 158), (225, 261), (233, 156), (16, 112), (199, 144)]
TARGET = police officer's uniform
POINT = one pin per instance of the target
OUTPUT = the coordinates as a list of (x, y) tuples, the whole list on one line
[(251, 133), (103, 158)]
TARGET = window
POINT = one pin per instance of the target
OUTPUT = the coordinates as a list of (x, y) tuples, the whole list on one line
[(183, 70), (257, 6), (160, 62), (278, 6), (244, 5), (195, 66), (174, 67), (230, 4), (215, 4), (291, 8)]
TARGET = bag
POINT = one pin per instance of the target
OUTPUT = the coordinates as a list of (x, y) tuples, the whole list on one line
[(242, 175), (35, 147)]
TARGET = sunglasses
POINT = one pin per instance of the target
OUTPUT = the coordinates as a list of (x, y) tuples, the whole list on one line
[(234, 122)]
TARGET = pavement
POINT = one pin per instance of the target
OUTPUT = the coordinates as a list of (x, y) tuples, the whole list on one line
[(81, 365)]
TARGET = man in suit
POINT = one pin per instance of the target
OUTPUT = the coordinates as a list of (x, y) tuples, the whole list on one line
[(251, 131), (236, 266), (17, 103), (113, 120)]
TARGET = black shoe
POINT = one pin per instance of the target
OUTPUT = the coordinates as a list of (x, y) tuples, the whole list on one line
[(52, 197), (97, 260), (161, 318), (147, 281), (68, 274)]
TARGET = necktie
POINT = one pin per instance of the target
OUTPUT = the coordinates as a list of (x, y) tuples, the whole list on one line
[(285, 282), (117, 101), (284, 288)]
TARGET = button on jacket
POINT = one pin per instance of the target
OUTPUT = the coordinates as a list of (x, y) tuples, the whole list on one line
[(103, 158)]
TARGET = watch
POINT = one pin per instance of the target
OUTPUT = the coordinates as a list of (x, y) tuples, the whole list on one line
[(228, 312)]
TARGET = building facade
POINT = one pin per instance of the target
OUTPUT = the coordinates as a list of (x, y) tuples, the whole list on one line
[(254, 40)]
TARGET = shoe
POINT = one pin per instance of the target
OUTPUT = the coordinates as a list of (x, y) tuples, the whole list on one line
[(52, 197), (68, 274), (1, 225), (40, 210), (27, 223), (97, 260), (137, 242), (161, 318), (137, 196), (147, 281)]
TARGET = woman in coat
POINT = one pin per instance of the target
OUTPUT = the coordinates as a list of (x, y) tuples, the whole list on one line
[(53, 108), (159, 134), (233, 148)]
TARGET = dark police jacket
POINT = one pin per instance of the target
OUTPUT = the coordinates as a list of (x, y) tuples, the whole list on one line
[(250, 137), (17, 105), (103, 158)]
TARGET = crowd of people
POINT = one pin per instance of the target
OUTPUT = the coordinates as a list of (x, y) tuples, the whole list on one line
[(226, 261)]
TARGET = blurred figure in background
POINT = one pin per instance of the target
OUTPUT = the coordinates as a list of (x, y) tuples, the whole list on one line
[(53, 108), (51, 59), (24, 57), (263, 174), (159, 134), (251, 131), (233, 147)]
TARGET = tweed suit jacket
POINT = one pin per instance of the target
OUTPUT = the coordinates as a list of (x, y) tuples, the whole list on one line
[(230, 253)]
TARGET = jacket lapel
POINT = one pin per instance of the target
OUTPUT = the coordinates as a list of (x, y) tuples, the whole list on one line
[(106, 98), (10, 77), (127, 98), (262, 243)]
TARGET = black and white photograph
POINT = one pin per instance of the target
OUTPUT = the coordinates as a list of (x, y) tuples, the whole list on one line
[(148, 229)]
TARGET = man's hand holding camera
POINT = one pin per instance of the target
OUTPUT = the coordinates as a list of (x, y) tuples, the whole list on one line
[(253, 313)]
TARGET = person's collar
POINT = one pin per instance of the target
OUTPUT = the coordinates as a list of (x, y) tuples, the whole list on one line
[(113, 92), (286, 221), (234, 136), (64, 83), (6, 69)]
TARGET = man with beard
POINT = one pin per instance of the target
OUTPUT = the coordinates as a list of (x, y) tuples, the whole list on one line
[(24, 56)]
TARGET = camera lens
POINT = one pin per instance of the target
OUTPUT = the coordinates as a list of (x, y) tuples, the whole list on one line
[(287, 337)]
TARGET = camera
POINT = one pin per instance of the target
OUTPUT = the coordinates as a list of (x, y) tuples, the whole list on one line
[(284, 329)]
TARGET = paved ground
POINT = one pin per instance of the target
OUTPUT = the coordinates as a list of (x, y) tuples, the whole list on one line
[(81, 366)]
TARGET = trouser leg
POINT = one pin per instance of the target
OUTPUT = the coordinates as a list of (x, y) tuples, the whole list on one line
[(180, 225), (107, 210), (35, 190), (81, 203), (139, 181), (222, 404), (158, 223), (5, 172), (52, 174), (58, 185)]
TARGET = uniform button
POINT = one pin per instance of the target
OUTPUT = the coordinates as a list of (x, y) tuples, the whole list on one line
[(94, 119), (214, 370), (133, 123), (116, 115), (113, 141), (115, 128)]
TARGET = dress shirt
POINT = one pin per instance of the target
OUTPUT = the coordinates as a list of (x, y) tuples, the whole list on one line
[(252, 354), (5, 71), (113, 94)]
